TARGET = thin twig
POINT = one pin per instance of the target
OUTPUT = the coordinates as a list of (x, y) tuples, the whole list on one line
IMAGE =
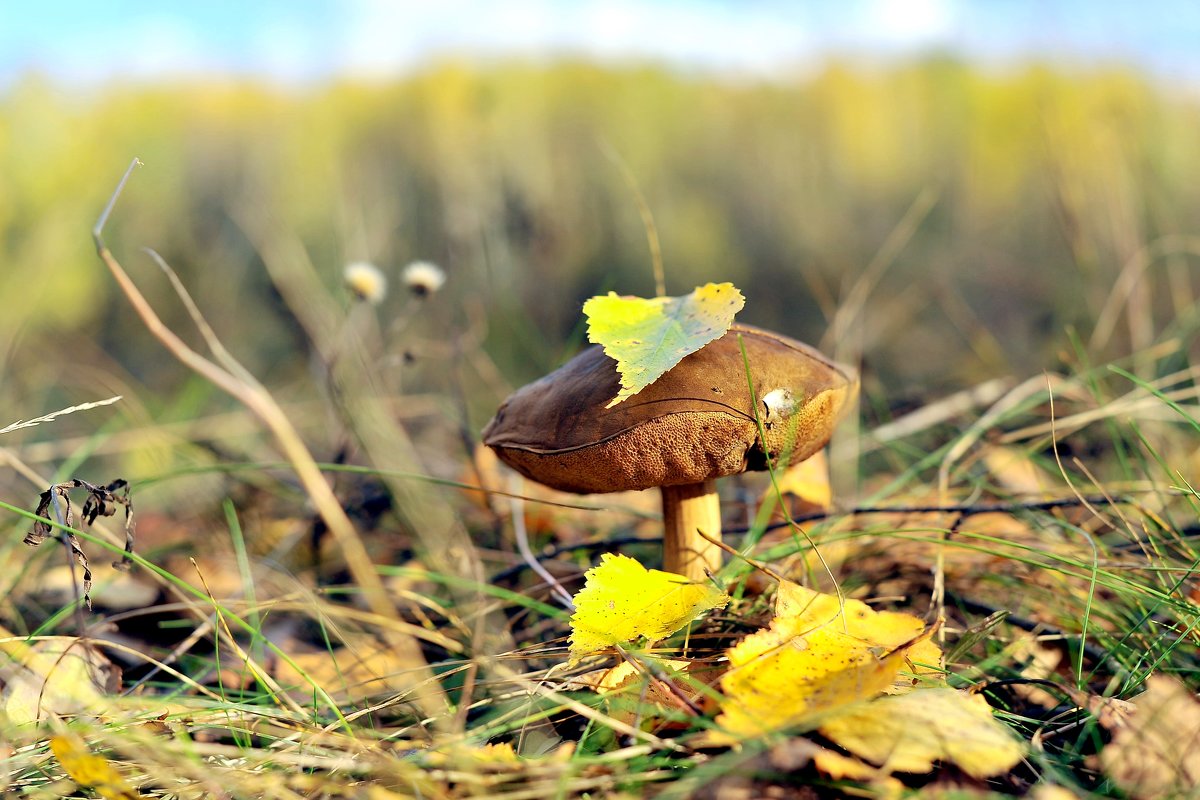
[(738, 554), (522, 537), (961, 509)]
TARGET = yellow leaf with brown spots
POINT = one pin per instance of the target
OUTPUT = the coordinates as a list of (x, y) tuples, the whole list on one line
[(821, 653)]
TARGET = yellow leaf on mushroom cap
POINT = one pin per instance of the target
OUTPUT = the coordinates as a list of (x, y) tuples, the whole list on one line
[(648, 337), (621, 601)]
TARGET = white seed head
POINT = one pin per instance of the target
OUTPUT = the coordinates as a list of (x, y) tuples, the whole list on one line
[(779, 404), (423, 278), (366, 281)]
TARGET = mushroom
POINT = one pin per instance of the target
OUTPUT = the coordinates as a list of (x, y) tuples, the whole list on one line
[(694, 424)]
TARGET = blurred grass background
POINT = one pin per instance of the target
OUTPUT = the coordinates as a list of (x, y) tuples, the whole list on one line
[(1028, 193), (940, 221)]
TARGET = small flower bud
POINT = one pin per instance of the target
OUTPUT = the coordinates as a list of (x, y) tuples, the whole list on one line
[(423, 278), (366, 281)]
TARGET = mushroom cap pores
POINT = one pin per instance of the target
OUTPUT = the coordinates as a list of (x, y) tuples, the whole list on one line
[(694, 423)]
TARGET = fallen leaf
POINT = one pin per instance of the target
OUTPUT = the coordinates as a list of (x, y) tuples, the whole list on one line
[(58, 676), (648, 337), (791, 674), (1040, 663), (841, 768), (856, 619), (1157, 753), (757, 776), (1112, 713), (621, 601), (1014, 470), (362, 669), (113, 589), (820, 653), (808, 482), (498, 753), (909, 732), (90, 770)]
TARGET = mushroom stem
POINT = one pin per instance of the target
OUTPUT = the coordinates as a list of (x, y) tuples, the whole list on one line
[(687, 509)]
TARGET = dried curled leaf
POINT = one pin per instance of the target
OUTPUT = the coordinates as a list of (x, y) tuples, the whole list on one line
[(909, 732), (102, 501), (648, 337), (622, 601)]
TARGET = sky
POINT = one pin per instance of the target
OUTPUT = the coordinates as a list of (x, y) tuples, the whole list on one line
[(88, 42)]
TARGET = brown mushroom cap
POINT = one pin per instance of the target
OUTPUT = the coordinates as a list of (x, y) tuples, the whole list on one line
[(693, 424)]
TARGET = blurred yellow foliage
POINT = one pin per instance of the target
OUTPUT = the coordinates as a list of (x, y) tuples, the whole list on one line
[(1047, 182), (90, 770)]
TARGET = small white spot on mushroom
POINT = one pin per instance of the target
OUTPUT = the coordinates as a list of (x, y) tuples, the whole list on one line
[(780, 404)]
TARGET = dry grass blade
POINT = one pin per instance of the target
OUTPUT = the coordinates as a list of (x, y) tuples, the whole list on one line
[(937, 412), (366, 411), (259, 401), (29, 423)]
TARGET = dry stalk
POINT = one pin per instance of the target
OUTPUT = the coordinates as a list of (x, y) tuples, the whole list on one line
[(243, 387)]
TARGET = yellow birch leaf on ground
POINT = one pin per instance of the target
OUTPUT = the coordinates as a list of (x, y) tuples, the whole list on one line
[(793, 672), (648, 337), (622, 601), (499, 753), (840, 767), (820, 653), (90, 770), (888, 629), (909, 732), (1157, 753)]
